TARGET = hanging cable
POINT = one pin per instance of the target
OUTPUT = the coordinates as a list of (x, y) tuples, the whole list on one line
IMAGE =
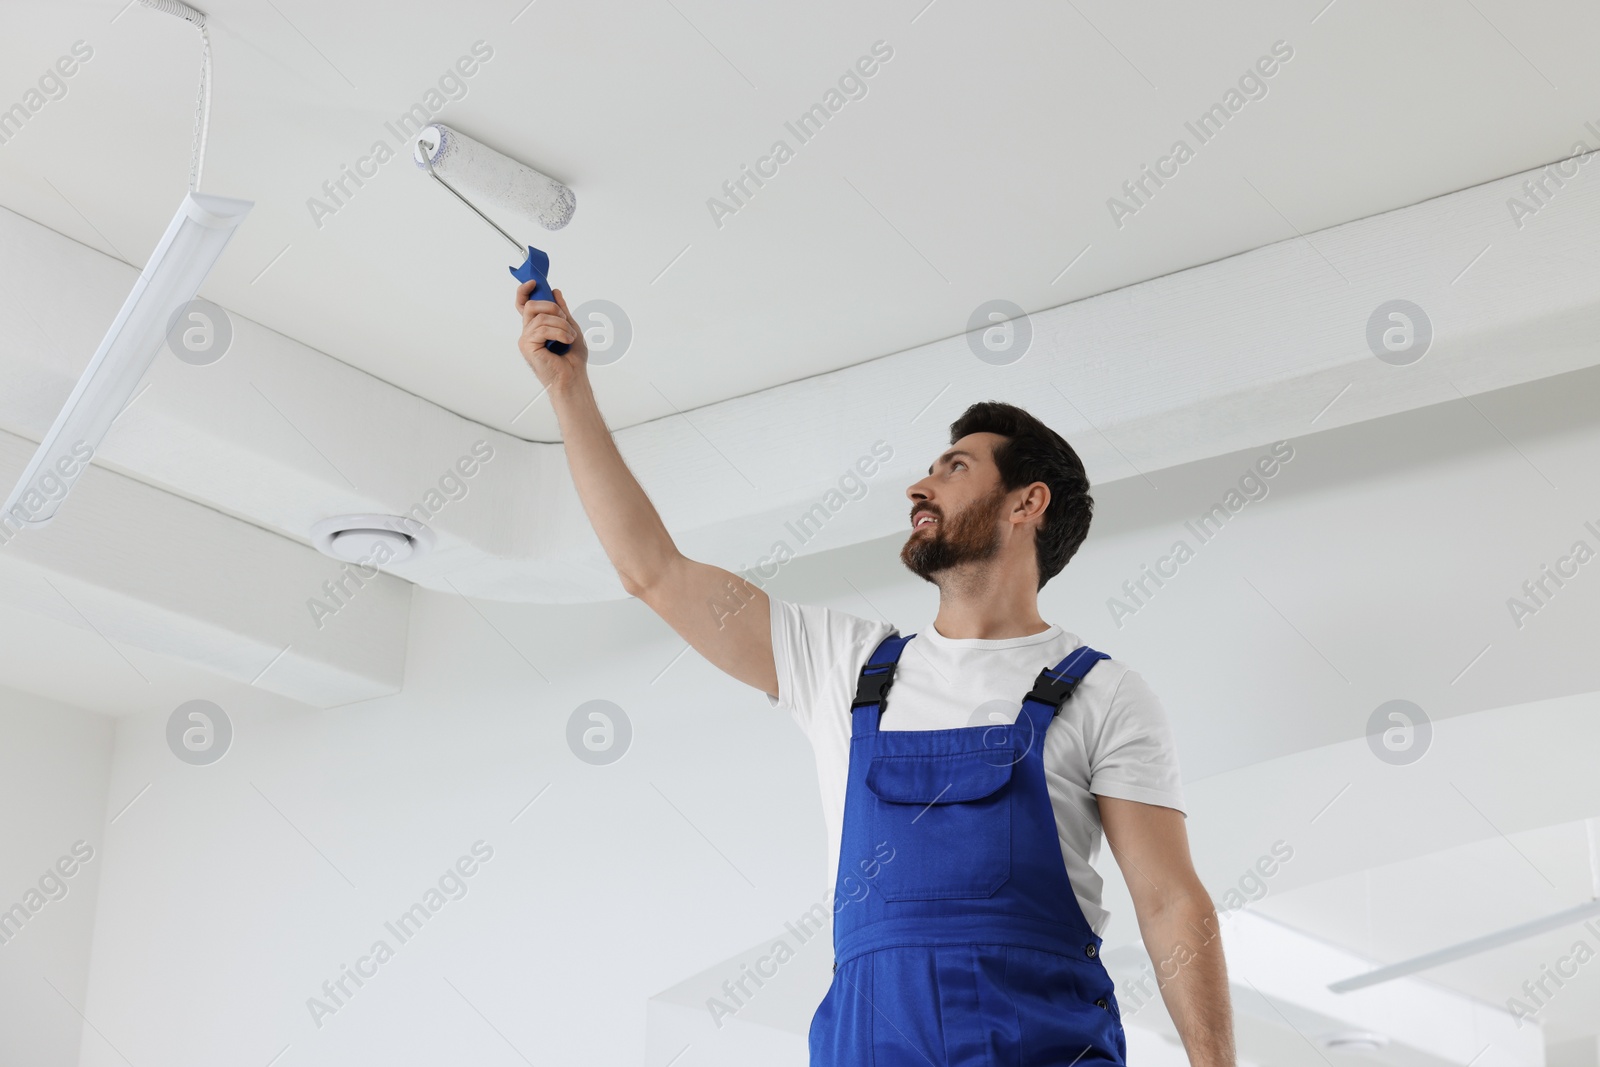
[(202, 112), (1593, 827)]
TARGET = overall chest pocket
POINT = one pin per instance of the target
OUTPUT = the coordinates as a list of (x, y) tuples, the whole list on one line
[(948, 818)]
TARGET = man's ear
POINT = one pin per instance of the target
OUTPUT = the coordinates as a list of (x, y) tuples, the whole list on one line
[(1037, 500)]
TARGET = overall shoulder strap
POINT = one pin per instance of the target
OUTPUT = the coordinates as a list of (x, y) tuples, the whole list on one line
[(1055, 685), (872, 687)]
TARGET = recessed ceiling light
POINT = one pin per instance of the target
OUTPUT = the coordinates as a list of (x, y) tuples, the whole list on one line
[(372, 539), (1357, 1041)]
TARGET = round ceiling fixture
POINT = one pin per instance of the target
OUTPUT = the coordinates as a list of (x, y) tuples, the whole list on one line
[(1357, 1041), (362, 538)]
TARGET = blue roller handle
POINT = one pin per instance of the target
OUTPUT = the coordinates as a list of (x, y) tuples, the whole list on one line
[(537, 266)]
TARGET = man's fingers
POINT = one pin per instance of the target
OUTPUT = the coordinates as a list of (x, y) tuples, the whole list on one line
[(537, 339), (523, 290), (534, 307), (547, 319), (538, 307), (549, 327)]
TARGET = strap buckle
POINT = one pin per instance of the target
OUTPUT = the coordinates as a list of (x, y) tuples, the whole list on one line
[(872, 688), (1053, 689)]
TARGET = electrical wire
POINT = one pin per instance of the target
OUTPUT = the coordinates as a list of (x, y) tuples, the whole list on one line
[(202, 117), (202, 107), (1592, 825)]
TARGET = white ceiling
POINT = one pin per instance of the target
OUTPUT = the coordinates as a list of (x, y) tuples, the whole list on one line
[(978, 166)]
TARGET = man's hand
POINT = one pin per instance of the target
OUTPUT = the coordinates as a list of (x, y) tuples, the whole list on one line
[(545, 321)]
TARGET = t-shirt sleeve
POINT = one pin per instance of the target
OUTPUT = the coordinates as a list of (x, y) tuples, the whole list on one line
[(1135, 757), (817, 651)]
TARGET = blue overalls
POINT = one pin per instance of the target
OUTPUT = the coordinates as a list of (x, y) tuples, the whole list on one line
[(967, 947)]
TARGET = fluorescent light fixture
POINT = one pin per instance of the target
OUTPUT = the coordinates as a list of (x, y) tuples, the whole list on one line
[(1469, 948), (185, 255)]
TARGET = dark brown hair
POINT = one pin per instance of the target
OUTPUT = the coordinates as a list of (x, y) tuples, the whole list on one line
[(1033, 452)]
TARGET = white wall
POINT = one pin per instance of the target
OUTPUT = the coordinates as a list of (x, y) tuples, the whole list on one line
[(54, 761), (234, 890)]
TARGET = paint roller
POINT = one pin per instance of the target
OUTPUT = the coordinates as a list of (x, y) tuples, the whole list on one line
[(459, 163)]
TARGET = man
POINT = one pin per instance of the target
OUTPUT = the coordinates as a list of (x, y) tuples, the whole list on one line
[(976, 940)]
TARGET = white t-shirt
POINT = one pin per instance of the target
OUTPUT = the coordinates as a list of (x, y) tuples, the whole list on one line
[(1110, 739)]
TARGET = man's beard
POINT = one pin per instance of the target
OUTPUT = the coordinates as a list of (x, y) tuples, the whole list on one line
[(973, 536)]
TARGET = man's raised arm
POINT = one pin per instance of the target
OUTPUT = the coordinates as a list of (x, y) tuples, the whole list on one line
[(724, 617)]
